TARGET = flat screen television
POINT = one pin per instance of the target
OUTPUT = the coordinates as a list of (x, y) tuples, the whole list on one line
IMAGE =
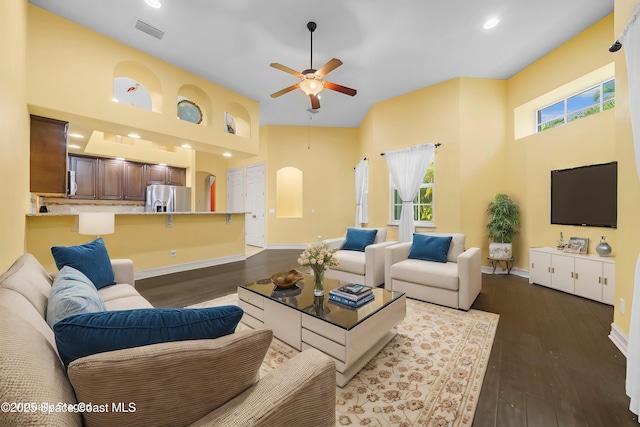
[(586, 195)]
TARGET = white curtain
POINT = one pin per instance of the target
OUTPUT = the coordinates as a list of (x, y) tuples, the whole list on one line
[(630, 39), (362, 173), (407, 168)]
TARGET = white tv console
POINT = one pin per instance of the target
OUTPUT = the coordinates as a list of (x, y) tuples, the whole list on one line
[(588, 276)]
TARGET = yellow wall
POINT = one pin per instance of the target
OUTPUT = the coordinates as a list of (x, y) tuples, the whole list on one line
[(590, 140), (628, 244), (467, 116), (327, 157), (71, 71), (14, 130), (144, 238)]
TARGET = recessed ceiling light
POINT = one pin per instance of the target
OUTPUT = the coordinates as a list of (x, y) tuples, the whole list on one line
[(120, 158), (133, 135), (154, 3), (162, 164), (490, 23), (77, 147), (186, 146), (76, 135), (114, 99), (227, 154)]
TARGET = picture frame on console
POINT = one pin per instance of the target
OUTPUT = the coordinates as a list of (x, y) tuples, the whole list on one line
[(577, 245)]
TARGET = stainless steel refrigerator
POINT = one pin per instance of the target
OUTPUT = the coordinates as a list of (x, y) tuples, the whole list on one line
[(168, 198)]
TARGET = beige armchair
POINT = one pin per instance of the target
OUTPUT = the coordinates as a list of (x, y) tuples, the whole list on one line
[(365, 268), (455, 283)]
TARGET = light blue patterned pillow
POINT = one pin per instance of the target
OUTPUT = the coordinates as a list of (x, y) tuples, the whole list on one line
[(72, 293)]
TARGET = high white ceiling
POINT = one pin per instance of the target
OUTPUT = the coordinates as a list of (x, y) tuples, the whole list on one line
[(388, 47)]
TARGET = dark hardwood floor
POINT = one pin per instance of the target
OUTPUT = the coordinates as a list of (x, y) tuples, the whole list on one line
[(552, 363)]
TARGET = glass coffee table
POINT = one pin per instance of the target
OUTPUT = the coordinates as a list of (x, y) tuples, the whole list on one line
[(350, 336)]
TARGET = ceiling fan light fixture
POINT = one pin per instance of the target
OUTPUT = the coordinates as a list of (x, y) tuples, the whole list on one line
[(311, 84)]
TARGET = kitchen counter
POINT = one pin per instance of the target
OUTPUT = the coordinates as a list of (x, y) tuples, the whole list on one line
[(157, 242), (141, 213)]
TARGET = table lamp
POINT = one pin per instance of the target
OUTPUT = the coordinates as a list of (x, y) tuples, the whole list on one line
[(96, 223)]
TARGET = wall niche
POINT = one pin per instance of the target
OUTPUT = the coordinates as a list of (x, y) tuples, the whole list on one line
[(289, 192), (136, 85), (193, 105), (236, 117)]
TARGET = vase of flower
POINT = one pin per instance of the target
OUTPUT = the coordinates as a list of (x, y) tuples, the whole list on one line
[(319, 258), (318, 280)]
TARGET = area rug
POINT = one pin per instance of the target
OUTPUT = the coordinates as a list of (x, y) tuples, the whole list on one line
[(430, 374)]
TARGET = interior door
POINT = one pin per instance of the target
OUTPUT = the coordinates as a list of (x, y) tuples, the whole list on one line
[(255, 205), (235, 202)]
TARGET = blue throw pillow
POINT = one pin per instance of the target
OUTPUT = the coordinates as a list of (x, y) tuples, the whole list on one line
[(430, 248), (90, 333), (91, 259), (359, 238), (72, 293)]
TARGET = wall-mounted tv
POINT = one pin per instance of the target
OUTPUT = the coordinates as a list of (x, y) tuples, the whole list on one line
[(586, 195)]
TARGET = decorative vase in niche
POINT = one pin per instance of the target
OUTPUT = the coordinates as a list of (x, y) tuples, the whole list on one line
[(603, 248), (318, 281)]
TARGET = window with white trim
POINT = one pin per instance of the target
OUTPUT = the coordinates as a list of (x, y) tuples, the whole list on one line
[(585, 103), (422, 203)]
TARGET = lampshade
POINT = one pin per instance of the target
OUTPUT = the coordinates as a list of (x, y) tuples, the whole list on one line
[(96, 223), (311, 84)]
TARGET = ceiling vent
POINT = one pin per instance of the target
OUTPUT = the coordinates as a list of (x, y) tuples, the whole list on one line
[(149, 29)]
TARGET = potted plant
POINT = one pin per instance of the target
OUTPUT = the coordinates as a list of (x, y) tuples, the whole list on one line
[(503, 226)]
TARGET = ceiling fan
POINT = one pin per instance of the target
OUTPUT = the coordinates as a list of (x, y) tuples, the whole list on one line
[(311, 80)]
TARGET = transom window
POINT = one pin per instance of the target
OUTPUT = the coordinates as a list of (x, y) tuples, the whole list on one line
[(586, 103), (422, 203)]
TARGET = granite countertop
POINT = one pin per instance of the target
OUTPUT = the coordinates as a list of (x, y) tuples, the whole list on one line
[(141, 213)]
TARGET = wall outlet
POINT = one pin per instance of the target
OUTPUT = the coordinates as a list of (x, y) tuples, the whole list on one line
[(173, 252), (621, 306)]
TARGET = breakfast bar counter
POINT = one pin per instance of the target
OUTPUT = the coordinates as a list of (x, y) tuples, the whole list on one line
[(157, 242)]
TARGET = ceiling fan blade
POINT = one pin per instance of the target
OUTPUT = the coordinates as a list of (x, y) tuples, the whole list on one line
[(315, 102), (286, 69), (328, 67), (340, 88), (285, 90)]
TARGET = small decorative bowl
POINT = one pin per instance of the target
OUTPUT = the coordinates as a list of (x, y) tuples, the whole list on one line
[(286, 279)]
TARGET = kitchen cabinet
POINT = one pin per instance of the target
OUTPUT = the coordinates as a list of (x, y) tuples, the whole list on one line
[(588, 276), (110, 179), (156, 174), (176, 176), (86, 173), (135, 185), (48, 156), (168, 175)]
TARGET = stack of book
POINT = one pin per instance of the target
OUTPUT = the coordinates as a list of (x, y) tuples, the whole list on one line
[(352, 295)]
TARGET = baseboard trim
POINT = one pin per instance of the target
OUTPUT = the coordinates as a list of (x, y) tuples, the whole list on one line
[(486, 269), (178, 268), (619, 339), (301, 246)]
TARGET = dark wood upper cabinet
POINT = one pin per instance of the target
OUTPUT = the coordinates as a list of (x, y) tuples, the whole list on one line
[(156, 174), (135, 185), (176, 176), (86, 173), (48, 156), (110, 179)]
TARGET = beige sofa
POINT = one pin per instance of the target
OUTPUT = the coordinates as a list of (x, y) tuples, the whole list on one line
[(201, 382), (365, 268), (456, 283)]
